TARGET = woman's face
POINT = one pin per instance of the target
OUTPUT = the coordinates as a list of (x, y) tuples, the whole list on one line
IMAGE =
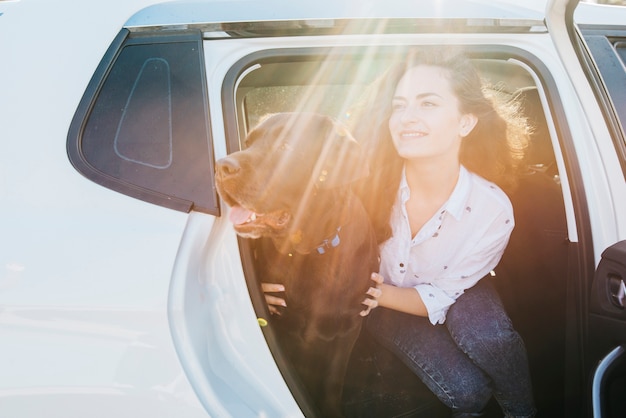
[(425, 121)]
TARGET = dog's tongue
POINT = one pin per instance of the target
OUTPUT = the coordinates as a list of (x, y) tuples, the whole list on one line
[(239, 215)]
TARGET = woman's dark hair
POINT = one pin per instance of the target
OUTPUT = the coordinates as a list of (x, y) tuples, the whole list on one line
[(493, 149)]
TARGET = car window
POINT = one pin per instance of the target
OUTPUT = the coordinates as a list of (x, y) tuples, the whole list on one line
[(329, 100), (142, 126), (307, 81), (608, 52)]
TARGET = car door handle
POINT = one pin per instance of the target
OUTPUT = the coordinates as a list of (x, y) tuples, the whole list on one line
[(617, 288)]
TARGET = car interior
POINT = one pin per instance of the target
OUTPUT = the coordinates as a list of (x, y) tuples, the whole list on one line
[(531, 277)]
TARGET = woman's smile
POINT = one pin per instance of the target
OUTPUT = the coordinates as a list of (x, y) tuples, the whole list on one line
[(412, 134)]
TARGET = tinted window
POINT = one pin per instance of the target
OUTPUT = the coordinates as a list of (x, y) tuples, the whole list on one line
[(608, 48), (142, 127)]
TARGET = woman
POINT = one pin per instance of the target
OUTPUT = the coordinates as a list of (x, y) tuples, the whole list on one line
[(438, 147)]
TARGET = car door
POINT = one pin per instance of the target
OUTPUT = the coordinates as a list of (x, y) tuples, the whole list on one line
[(592, 44), (607, 315)]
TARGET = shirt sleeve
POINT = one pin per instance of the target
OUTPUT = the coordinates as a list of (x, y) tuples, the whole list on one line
[(437, 302)]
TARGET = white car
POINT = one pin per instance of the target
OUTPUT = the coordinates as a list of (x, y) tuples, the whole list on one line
[(124, 291)]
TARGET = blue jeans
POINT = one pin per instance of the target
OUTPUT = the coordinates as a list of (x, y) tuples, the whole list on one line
[(475, 354)]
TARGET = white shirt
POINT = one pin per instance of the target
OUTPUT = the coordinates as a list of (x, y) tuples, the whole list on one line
[(457, 247)]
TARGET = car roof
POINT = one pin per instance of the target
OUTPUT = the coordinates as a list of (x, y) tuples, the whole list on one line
[(217, 11), (600, 14)]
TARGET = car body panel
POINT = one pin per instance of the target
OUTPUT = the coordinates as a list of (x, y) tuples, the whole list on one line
[(85, 272), (220, 11)]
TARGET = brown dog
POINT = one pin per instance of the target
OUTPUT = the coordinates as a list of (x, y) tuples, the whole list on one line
[(292, 185)]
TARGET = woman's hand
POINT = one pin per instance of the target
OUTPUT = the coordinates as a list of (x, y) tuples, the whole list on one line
[(374, 293), (273, 302)]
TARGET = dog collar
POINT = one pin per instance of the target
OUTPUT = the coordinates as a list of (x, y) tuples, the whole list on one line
[(329, 243)]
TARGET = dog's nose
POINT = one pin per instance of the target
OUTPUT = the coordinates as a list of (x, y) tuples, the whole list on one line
[(228, 166)]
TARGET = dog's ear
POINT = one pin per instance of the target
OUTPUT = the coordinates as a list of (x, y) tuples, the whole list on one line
[(342, 161)]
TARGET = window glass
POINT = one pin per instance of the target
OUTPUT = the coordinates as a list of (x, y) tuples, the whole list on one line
[(329, 100), (146, 132), (608, 49), (330, 85)]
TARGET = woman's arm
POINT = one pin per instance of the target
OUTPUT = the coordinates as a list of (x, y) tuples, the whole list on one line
[(403, 299)]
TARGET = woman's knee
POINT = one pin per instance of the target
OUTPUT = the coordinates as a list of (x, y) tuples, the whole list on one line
[(500, 336), (478, 318), (495, 345)]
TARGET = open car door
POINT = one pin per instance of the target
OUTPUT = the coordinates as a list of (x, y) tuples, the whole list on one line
[(591, 41)]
